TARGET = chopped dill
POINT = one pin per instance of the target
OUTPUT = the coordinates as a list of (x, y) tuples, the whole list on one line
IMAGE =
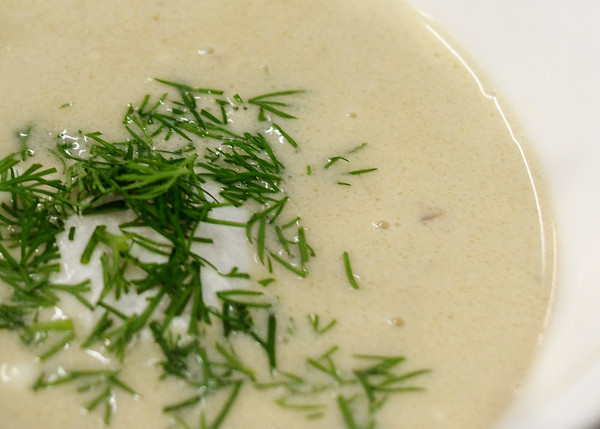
[(349, 273), (100, 385), (363, 171), (315, 322), (181, 162), (335, 160)]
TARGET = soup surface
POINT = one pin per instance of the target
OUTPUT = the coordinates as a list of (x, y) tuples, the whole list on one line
[(425, 243)]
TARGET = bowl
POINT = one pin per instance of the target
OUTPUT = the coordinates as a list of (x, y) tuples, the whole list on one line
[(542, 58)]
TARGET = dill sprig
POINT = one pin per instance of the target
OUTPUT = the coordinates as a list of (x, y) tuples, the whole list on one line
[(360, 392), (99, 385), (315, 322), (271, 103), (378, 382)]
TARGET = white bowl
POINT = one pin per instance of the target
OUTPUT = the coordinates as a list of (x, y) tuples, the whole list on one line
[(543, 57)]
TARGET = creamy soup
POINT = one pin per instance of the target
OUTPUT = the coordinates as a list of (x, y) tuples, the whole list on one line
[(417, 280)]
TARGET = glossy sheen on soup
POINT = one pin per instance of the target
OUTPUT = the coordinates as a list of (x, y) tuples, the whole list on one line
[(427, 243)]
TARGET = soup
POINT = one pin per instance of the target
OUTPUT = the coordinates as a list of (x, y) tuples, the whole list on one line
[(395, 274)]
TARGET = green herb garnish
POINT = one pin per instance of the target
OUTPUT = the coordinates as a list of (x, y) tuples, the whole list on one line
[(349, 273), (100, 385), (335, 160), (180, 162)]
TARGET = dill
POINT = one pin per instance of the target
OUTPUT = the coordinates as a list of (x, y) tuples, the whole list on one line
[(361, 146), (285, 135), (270, 103), (331, 161), (266, 282), (22, 139), (100, 385), (11, 317), (363, 171), (315, 322), (347, 413), (349, 273), (180, 163), (360, 392), (166, 191), (346, 158)]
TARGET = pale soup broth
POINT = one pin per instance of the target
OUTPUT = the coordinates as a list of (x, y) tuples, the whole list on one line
[(445, 237)]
